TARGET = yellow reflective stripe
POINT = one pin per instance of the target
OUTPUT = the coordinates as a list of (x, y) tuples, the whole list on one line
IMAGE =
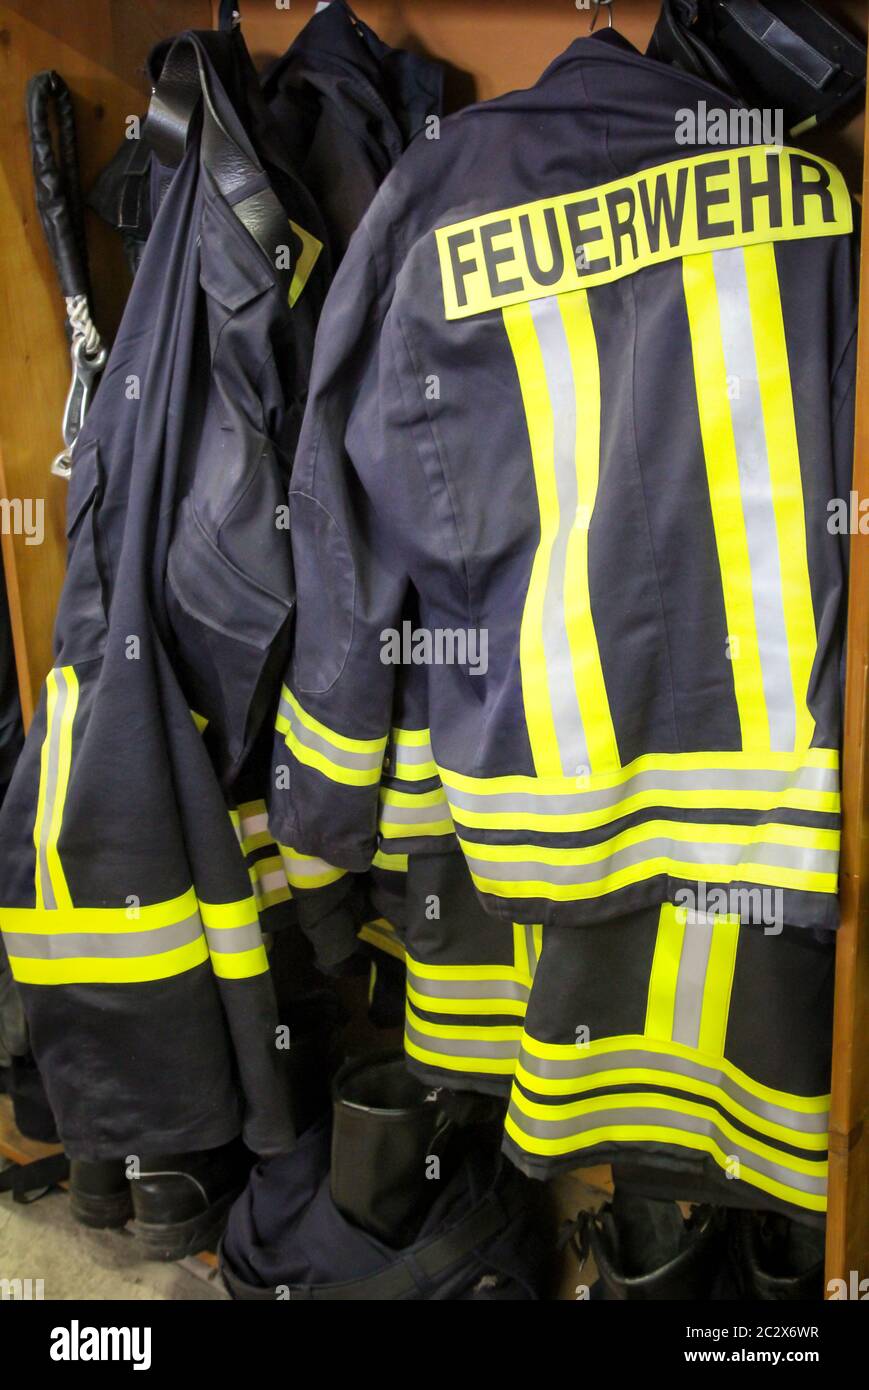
[(63, 771), (785, 475), (761, 876), (134, 918), (532, 657), (307, 871), (239, 965), (200, 721), (719, 983), (269, 882), (311, 757), (489, 1066), (478, 1005), (41, 811), (665, 973), (603, 1047), (687, 832), (407, 768), (349, 745), (765, 760), (311, 249), (520, 952), (236, 914), (411, 738), (725, 497), (392, 863), (587, 673), (662, 1134), (462, 972), (105, 970), (383, 935)]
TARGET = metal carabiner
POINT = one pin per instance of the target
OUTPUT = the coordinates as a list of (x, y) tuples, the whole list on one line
[(85, 372)]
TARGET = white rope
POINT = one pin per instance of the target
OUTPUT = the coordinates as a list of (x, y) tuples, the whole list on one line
[(83, 326)]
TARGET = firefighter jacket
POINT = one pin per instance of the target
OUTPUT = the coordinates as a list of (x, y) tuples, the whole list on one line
[(128, 913), (586, 391), (347, 106)]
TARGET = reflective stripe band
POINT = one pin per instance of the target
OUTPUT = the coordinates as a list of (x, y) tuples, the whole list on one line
[(200, 721), (269, 882), (785, 477), (561, 1069), (788, 856), (404, 814), (652, 1119), (306, 871), (808, 781), (105, 945), (239, 965), (107, 970), (566, 708), (412, 759), (486, 1051), (465, 997), (383, 935), (355, 762), (253, 826), (305, 263), (391, 863), (56, 758), (755, 484)]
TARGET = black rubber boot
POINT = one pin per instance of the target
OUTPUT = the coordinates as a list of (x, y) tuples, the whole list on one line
[(645, 1250), (775, 1259), (181, 1201), (100, 1193), (386, 1127)]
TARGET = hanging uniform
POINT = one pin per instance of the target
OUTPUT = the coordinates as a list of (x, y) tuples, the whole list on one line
[(561, 339), (127, 909)]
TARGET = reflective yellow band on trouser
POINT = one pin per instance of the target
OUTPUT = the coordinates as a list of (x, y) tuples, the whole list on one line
[(251, 823), (353, 762), (97, 945), (382, 934), (411, 757), (407, 815), (268, 880), (306, 871)]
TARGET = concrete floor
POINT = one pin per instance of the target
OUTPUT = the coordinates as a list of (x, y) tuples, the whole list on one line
[(41, 1241)]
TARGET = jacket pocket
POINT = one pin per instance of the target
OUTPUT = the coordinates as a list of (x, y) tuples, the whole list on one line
[(232, 638)]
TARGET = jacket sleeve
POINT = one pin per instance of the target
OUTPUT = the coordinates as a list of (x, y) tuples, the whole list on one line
[(334, 716)]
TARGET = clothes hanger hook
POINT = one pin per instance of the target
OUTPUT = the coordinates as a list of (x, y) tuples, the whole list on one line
[(598, 6)]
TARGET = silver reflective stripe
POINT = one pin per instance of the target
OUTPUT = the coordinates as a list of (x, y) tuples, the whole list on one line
[(232, 939), (102, 945), (51, 776), (413, 815), (363, 762), (755, 485), (530, 949), (559, 1069), (821, 861), (467, 989), (820, 779), (638, 1115), (691, 979), (413, 753), (461, 1047), (566, 718), (307, 868)]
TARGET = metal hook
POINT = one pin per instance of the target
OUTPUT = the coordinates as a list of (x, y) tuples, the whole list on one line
[(598, 6)]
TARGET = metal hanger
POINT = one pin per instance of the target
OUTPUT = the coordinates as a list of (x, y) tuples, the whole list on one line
[(598, 6)]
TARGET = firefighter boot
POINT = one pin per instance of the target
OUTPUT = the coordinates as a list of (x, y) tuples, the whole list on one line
[(774, 1258), (100, 1193), (181, 1201), (387, 1127), (645, 1250)]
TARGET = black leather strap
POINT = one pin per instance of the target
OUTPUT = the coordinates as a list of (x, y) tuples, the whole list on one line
[(56, 179), (196, 77)]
